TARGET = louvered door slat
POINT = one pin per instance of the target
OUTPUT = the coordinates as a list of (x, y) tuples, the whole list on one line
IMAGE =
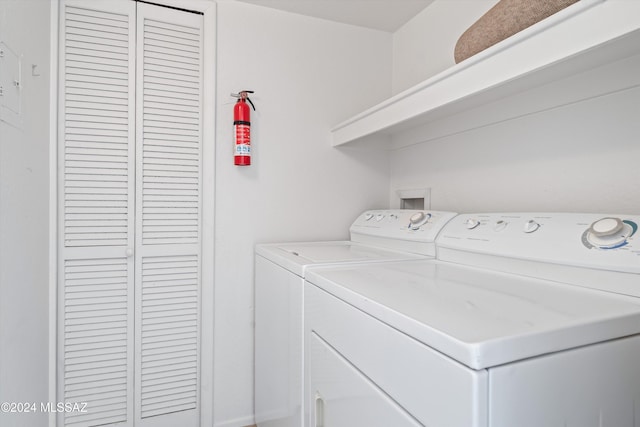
[(101, 29), (98, 52), (180, 74), (91, 62), (99, 33), (184, 91), (93, 45), (162, 110), (162, 118), (188, 32), (97, 156), (155, 39), (112, 83), (93, 120), (92, 115), (87, 100), (160, 101), (170, 145), (160, 153), (177, 64), (173, 52), (105, 71), (104, 67), (171, 127), (169, 84), (177, 33)]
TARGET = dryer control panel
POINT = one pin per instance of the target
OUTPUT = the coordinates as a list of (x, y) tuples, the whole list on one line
[(402, 229)]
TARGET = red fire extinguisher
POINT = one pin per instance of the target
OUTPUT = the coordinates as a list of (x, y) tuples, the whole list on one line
[(242, 128)]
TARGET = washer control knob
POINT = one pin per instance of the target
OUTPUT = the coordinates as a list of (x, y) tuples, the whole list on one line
[(530, 226), (609, 233), (606, 227), (500, 225), (471, 223), (379, 217), (418, 219), (368, 216)]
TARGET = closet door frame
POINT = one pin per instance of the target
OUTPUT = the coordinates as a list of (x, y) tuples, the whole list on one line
[(208, 10)]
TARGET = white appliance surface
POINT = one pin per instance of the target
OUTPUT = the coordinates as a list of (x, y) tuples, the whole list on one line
[(376, 236), (297, 257), (372, 408), (526, 313), (478, 317)]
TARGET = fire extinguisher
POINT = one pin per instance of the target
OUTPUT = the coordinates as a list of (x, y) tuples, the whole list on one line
[(242, 128)]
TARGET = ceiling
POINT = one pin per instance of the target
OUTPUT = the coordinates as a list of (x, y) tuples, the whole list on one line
[(385, 15)]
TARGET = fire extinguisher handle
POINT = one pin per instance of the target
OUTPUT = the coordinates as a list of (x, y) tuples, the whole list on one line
[(243, 95)]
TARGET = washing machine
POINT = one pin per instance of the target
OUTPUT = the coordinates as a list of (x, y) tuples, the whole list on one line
[(375, 237), (523, 319)]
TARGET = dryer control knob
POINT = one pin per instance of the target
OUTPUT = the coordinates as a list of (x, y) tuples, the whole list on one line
[(471, 223), (606, 227), (418, 219), (530, 226)]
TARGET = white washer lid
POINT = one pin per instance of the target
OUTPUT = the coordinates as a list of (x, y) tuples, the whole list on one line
[(296, 257), (478, 317)]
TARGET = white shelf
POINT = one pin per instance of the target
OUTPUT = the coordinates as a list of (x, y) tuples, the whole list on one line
[(587, 36)]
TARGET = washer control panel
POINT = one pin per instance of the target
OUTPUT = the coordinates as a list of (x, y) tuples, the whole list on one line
[(604, 241), (404, 224)]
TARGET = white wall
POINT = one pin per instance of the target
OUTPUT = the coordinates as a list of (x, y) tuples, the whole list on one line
[(568, 156), (24, 218), (424, 46), (577, 158), (308, 75)]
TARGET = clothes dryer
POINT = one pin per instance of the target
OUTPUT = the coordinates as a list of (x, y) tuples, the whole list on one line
[(524, 320), (376, 236)]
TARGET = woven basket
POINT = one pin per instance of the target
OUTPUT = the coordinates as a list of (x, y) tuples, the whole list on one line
[(503, 20)]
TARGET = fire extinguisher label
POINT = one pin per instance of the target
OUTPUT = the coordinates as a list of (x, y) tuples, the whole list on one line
[(243, 150), (242, 139)]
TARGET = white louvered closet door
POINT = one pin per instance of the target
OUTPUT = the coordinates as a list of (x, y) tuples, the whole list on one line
[(129, 214), (168, 216), (96, 212)]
